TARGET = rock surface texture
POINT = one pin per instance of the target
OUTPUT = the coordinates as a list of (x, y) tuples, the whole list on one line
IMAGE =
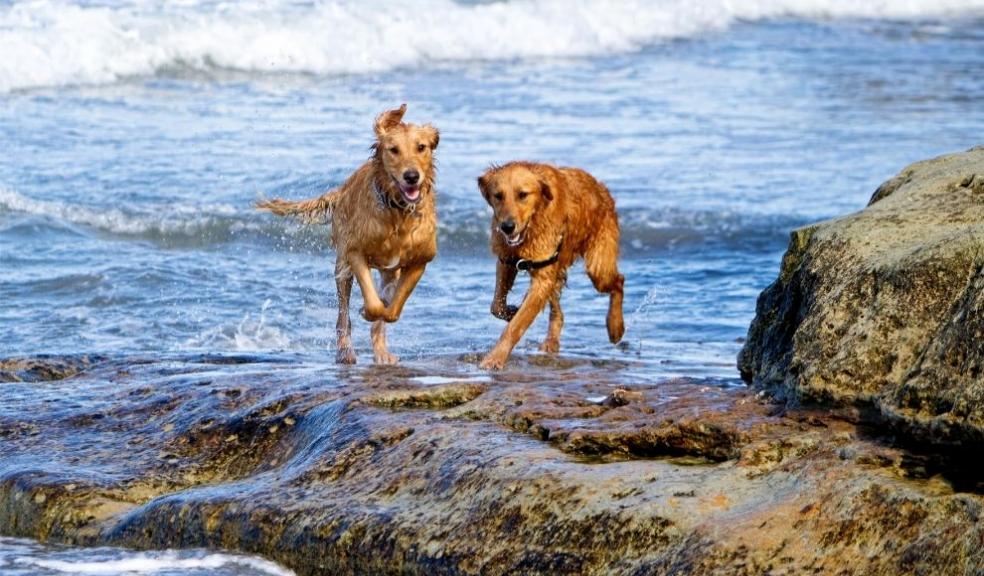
[(883, 310), (558, 467)]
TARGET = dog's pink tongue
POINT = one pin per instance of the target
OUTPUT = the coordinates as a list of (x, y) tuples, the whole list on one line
[(411, 193)]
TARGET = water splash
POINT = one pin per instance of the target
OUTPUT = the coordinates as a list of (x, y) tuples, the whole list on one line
[(248, 334)]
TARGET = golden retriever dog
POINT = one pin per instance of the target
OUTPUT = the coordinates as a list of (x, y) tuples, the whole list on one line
[(544, 218), (383, 218)]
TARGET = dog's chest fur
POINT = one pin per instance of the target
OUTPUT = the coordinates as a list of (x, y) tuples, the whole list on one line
[(400, 237)]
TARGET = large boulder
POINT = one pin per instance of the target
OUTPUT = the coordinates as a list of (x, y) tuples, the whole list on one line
[(883, 310)]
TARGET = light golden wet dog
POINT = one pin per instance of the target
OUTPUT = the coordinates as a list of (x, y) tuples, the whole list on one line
[(383, 218), (544, 218)]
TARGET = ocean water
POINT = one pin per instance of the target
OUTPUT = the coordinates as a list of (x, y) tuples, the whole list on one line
[(20, 557), (134, 136)]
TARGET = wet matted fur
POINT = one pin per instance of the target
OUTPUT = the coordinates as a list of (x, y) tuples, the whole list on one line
[(383, 218), (551, 216)]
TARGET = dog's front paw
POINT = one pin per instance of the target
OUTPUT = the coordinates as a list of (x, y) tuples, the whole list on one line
[(386, 358), (493, 361), (345, 355), (550, 346), (373, 313), (505, 312)]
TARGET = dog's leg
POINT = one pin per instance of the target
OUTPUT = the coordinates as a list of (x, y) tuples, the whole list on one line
[(505, 277), (378, 330), (541, 288), (343, 327), (373, 308), (551, 344), (601, 263), (409, 277), (614, 321)]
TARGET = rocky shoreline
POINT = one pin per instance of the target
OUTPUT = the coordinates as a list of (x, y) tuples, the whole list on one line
[(882, 309), (850, 454)]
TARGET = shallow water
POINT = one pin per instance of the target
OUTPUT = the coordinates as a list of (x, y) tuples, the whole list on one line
[(129, 167)]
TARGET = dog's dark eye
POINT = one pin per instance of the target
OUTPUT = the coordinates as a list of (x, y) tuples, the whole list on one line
[(498, 196), (394, 150), (421, 147), (523, 195)]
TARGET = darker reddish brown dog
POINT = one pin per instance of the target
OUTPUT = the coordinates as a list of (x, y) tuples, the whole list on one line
[(545, 217)]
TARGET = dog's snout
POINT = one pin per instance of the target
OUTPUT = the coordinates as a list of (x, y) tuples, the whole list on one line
[(411, 176), (508, 226)]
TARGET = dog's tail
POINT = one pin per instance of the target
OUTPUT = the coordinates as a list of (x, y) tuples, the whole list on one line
[(311, 210)]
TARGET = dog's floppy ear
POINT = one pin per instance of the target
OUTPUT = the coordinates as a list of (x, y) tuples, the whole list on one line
[(483, 185), (547, 177), (389, 119), (433, 135)]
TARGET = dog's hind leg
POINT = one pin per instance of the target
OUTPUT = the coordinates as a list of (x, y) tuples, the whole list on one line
[(380, 352), (601, 262), (551, 344), (343, 327)]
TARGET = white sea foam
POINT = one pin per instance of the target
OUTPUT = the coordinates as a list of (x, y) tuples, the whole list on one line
[(157, 221), (61, 42), (154, 562)]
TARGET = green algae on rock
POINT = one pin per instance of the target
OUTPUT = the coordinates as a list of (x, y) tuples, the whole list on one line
[(882, 309)]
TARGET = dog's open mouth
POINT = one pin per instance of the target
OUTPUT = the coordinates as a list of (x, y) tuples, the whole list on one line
[(410, 193), (516, 238)]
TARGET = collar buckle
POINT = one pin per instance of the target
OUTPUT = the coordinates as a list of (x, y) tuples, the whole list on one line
[(526, 265)]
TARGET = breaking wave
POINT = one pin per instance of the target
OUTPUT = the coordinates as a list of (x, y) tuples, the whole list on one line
[(171, 224), (204, 226), (64, 42)]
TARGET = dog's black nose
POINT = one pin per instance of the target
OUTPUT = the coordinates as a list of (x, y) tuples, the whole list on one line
[(411, 176), (508, 226)]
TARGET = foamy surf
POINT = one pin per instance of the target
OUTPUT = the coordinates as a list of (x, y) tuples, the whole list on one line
[(171, 220), (59, 42), (155, 563), (22, 557), (170, 225)]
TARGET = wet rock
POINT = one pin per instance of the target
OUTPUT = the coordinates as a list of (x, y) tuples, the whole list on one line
[(396, 472), (883, 310), (43, 368), (438, 396)]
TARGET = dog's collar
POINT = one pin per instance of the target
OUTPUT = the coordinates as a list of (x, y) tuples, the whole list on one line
[(386, 201), (524, 265)]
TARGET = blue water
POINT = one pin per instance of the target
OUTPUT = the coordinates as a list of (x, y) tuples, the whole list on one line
[(125, 218)]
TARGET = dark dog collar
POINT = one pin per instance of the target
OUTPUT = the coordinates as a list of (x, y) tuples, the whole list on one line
[(524, 265)]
